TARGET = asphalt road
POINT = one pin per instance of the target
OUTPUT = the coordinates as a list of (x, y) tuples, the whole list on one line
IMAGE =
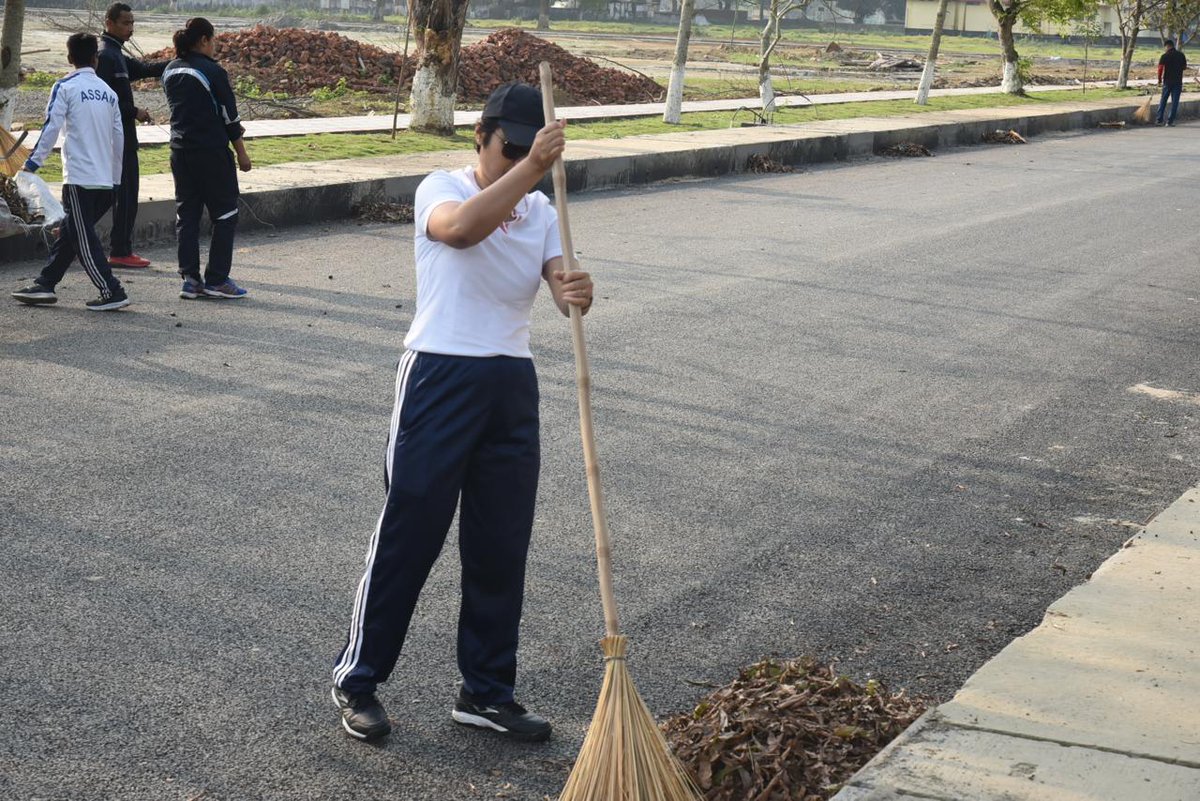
[(880, 412)]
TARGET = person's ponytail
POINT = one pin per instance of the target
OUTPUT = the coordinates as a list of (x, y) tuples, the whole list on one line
[(187, 37)]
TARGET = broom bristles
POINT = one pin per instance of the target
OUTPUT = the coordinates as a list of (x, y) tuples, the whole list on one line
[(625, 756), (13, 164), (1143, 112)]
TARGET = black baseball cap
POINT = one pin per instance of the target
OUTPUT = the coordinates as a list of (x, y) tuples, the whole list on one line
[(518, 107)]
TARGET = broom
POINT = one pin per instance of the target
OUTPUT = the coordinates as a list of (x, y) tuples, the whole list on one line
[(624, 756), (12, 152), (1142, 115)]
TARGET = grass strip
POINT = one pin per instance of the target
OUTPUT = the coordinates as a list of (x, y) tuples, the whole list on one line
[(330, 147)]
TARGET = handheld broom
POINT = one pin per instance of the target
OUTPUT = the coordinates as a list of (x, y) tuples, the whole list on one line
[(624, 756)]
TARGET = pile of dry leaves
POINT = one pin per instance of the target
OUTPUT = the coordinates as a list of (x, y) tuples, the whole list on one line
[(906, 150), (762, 163), (17, 206), (787, 731), (1002, 137), (377, 210)]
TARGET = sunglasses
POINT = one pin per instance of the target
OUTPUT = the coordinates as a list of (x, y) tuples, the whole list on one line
[(509, 150)]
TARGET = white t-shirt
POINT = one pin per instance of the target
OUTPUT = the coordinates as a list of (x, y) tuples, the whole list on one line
[(476, 301)]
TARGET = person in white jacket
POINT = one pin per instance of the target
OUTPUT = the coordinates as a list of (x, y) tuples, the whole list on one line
[(86, 108)]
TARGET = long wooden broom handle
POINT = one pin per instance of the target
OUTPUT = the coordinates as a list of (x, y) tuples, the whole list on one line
[(583, 380)]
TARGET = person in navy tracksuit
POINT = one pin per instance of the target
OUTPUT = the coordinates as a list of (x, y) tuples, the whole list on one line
[(86, 108), (204, 123), (464, 431), (117, 69)]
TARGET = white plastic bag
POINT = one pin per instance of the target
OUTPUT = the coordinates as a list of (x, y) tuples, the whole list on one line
[(45, 209)]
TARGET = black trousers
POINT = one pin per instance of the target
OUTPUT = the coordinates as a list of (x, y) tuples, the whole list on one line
[(77, 237), (464, 434), (126, 202), (205, 179)]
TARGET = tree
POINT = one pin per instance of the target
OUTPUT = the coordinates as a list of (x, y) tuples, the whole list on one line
[(377, 14), (675, 88), (935, 42), (10, 58), (1033, 14), (768, 41), (1007, 12), (543, 15), (1132, 16), (439, 26), (1090, 29), (1177, 19)]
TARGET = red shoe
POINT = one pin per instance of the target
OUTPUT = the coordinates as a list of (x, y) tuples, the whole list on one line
[(132, 261)]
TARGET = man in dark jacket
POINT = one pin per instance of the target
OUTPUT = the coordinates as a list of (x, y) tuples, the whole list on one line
[(1171, 65), (118, 70)]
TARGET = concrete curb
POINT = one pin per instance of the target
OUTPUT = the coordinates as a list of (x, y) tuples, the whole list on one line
[(297, 194), (1095, 704)]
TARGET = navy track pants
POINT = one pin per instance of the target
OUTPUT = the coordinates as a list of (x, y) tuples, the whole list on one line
[(125, 203), (205, 179), (77, 238), (464, 434)]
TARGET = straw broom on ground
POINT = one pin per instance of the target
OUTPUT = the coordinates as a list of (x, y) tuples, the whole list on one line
[(624, 756), (1142, 115)]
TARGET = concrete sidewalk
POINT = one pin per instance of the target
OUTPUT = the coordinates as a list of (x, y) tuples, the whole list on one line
[(374, 123), (1100, 702), (313, 192)]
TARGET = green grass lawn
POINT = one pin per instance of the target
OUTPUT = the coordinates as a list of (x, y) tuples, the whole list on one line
[(328, 147)]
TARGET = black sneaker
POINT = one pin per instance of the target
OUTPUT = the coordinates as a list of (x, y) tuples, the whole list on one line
[(510, 719), (118, 300), (362, 715), (36, 295)]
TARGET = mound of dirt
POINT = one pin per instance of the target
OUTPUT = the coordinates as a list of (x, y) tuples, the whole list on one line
[(297, 61)]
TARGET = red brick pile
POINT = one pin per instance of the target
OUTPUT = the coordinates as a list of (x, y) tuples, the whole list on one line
[(510, 54), (296, 61)]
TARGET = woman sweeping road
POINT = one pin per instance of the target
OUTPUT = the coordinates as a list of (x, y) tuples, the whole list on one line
[(204, 123), (465, 424)]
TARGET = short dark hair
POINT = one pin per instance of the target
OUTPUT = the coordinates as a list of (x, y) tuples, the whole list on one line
[(487, 127), (116, 10), (82, 49), (1169, 43)]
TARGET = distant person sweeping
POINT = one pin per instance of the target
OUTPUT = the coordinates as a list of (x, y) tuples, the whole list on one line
[(204, 124), (464, 432), (85, 108), (1171, 65)]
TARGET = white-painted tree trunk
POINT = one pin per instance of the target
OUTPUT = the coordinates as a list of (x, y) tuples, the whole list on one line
[(678, 66), (1127, 51), (433, 99), (935, 42), (10, 58), (1010, 82), (767, 41), (438, 31), (8, 101), (766, 92)]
